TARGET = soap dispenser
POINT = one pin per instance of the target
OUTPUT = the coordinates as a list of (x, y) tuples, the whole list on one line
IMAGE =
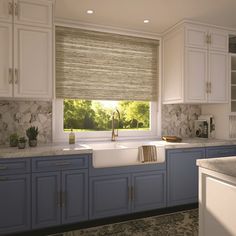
[(72, 137)]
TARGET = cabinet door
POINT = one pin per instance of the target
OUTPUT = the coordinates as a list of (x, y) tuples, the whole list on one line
[(6, 88), (45, 199), (219, 40), (109, 196), (31, 12), (196, 36), (195, 75), (15, 203), (149, 191), (6, 10), (74, 196), (218, 77), (182, 175), (33, 62)]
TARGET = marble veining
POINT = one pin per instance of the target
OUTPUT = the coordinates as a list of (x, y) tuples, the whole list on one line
[(17, 116), (178, 119), (223, 165)]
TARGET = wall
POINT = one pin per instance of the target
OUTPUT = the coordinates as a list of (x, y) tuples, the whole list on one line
[(178, 119), (17, 116)]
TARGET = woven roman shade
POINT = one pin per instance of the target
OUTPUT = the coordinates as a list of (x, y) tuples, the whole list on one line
[(103, 66)]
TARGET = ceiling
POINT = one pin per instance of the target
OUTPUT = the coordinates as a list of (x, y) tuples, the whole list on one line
[(162, 14)]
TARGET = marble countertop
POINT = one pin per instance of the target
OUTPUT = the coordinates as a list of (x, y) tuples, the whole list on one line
[(223, 165), (83, 147), (44, 150)]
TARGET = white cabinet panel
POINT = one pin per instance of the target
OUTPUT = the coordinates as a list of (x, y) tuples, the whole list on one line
[(33, 12), (5, 60), (33, 62), (196, 75), (5, 10), (219, 40), (172, 84), (218, 77), (195, 36)]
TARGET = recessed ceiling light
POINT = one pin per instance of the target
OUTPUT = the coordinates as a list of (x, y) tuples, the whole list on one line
[(146, 21), (89, 11)]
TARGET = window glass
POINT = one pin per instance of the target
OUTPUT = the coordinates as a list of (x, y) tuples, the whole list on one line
[(94, 115)]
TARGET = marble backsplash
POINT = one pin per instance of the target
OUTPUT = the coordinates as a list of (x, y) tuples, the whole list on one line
[(178, 119), (17, 116)]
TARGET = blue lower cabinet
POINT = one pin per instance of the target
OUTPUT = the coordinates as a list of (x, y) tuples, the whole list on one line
[(182, 175), (74, 196), (223, 151), (126, 193), (46, 196), (149, 191), (109, 196), (15, 203)]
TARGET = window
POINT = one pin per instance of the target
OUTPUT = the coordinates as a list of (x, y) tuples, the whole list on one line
[(87, 115), (97, 72)]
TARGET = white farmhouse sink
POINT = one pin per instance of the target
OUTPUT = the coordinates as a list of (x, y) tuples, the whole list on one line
[(111, 154)]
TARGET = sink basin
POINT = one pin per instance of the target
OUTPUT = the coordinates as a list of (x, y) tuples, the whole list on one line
[(112, 154)]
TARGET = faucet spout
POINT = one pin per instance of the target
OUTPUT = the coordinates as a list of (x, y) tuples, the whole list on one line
[(113, 134)]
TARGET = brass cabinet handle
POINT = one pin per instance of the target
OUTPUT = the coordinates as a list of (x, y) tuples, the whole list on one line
[(16, 76), (16, 9), (3, 178), (208, 39), (209, 87), (3, 167), (63, 199), (10, 8), (10, 76), (64, 163), (129, 194), (132, 193)]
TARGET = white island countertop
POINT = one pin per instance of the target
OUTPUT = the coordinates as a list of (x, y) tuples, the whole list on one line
[(223, 165), (54, 149)]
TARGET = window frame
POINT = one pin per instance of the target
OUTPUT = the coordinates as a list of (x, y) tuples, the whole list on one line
[(59, 135)]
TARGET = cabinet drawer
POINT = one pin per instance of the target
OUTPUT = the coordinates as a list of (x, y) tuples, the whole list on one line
[(14, 166), (222, 151), (59, 163)]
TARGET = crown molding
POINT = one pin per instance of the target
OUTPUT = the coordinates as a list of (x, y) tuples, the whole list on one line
[(104, 28)]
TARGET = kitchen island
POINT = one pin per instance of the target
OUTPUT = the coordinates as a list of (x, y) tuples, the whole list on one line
[(217, 196)]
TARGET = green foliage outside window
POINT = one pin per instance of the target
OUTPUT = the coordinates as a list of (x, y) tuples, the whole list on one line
[(85, 115)]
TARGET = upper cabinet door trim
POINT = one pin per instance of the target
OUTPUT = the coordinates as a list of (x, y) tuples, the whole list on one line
[(31, 12)]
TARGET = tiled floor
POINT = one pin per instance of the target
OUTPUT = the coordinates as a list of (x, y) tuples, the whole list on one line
[(184, 223)]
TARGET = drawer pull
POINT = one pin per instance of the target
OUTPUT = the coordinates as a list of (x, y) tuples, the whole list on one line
[(63, 163), (3, 178), (3, 167)]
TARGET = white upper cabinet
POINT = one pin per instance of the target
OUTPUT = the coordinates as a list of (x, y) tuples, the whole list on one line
[(33, 64), (26, 58), (6, 76), (195, 68), (6, 10), (31, 12)]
